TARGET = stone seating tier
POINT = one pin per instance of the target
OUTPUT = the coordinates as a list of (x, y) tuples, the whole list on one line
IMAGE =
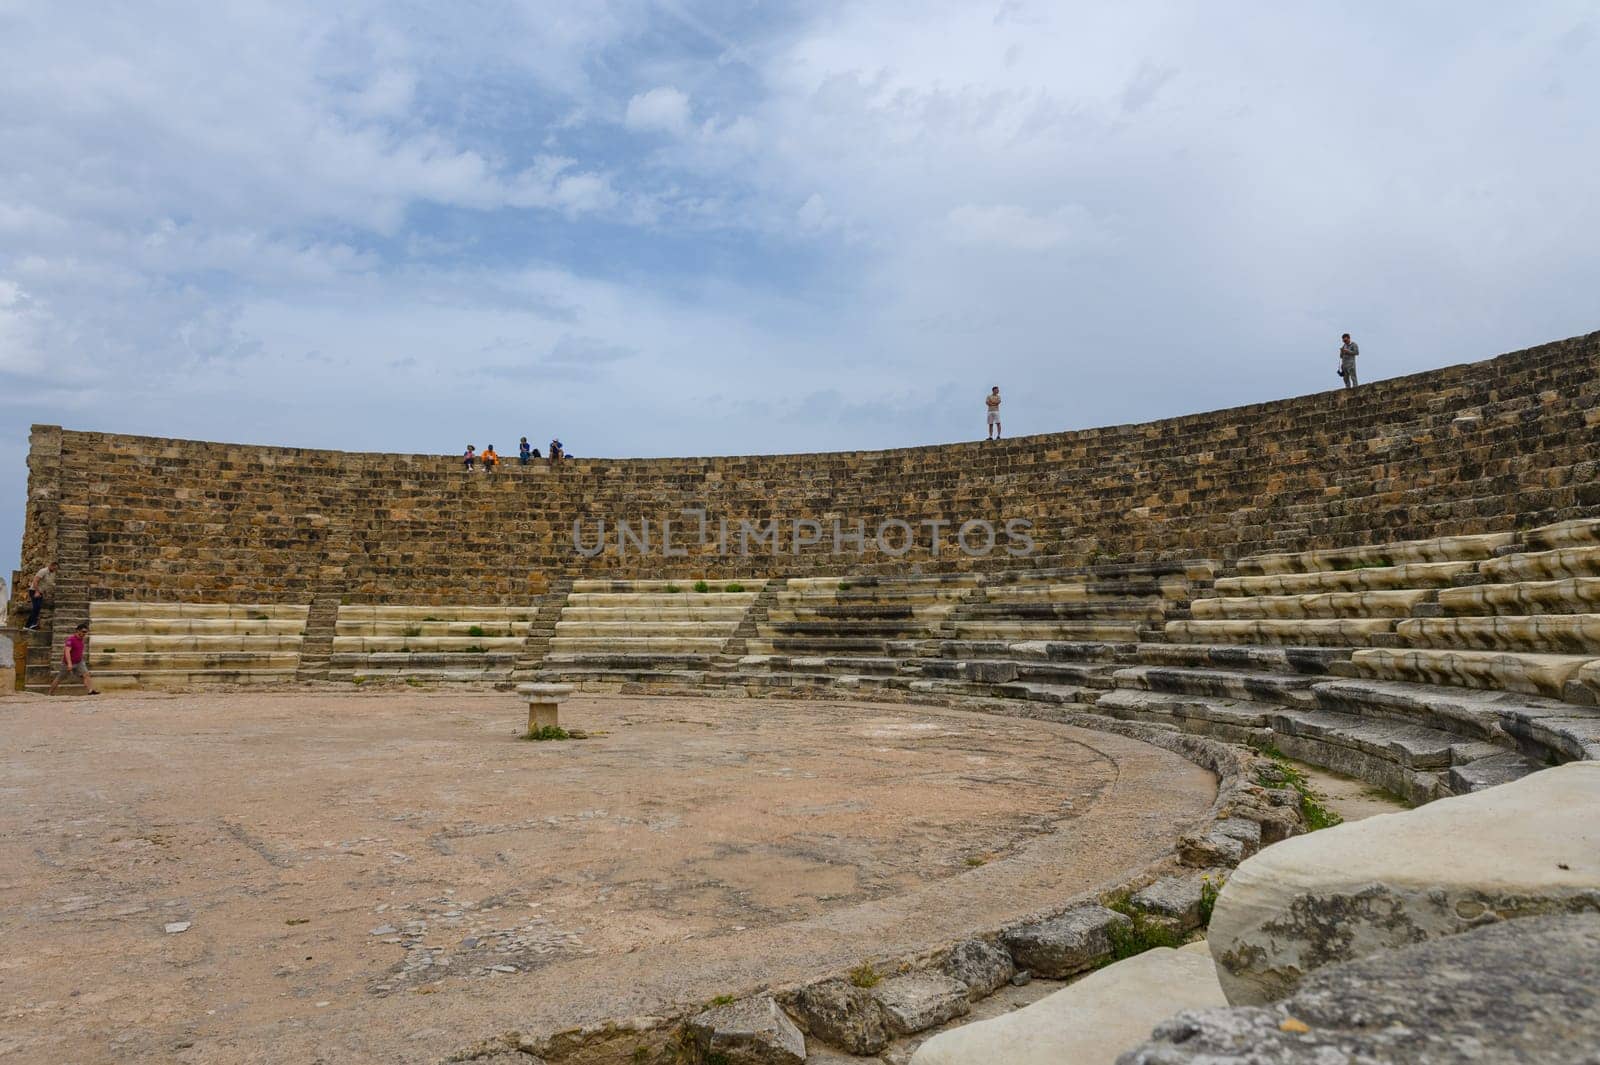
[(180, 645)]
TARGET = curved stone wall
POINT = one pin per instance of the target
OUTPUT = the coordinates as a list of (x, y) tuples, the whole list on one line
[(1503, 443)]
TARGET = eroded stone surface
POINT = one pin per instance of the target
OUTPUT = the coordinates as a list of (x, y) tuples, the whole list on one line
[(918, 1001), (1528, 847), (1090, 1021), (1064, 945), (981, 965), (754, 1031), (1520, 991), (844, 1015)]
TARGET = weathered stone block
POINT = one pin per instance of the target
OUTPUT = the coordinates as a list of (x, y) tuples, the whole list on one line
[(844, 1015), (754, 1031), (918, 1001), (1527, 847), (1515, 992), (981, 965), (1065, 945)]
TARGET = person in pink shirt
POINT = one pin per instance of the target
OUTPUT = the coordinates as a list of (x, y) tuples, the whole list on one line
[(75, 659)]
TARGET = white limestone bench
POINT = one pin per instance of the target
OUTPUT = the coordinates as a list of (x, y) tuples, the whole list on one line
[(544, 704)]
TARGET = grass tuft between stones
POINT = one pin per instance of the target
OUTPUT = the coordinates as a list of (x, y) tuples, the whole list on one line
[(864, 975), (1287, 774), (1144, 934)]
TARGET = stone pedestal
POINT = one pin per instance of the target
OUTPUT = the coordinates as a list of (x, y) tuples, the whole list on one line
[(544, 703), (13, 660)]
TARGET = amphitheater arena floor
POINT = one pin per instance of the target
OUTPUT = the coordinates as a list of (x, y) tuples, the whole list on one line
[(321, 846)]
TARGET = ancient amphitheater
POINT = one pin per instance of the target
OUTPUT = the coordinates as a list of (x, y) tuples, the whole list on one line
[(882, 752)]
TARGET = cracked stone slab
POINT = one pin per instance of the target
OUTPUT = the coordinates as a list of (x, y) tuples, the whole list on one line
[(981, 965), (918, 1001), (1065, 945), (1528, 847), (1514, 992), (844, 1015), (754, 1031)]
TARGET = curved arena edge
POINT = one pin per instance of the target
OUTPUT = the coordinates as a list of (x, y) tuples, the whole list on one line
[(1401, 584)]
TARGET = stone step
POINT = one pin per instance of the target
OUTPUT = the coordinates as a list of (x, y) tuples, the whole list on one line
[(1228, 684), (1544, 565), (1308, 632), (1385, 604), (817, 645), (117, 680), (105, 628), (639, 661), (930, 596), (480, 614), (1575, 533), (1109, 631), (1411, 761), (191, 662), (1379, 578), (1001, 671), (1473, 547), (926, 614), (677, 612), (143, 643), (905, 581), (602, 629), (858, 665), (1531, 674), (1230, 720), (1160, 588), (465, 675), (400, 661), (1312, 661), (591, 585), (1546, 729), (424, 644), (1569, 595), (1539, 633), (432, 629), (779, 681), (104, 610), (1088, 610), (728, 602), (1040, 650), (637, 644), (585, 676)]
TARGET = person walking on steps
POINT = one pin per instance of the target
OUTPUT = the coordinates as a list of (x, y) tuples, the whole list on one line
[(42, 587), (75, 659), (1347, 361), (992, 401)]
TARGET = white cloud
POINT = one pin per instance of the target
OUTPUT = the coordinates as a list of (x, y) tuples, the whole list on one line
[(1006, 225), (661, 110)]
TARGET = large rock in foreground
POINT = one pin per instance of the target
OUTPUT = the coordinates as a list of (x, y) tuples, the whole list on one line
[(1515, 992), (1524, 848), (1090, 1022)]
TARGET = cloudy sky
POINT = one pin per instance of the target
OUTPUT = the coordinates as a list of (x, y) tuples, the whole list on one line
[(681, 227)]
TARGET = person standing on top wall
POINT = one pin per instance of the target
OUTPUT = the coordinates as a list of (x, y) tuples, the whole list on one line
[(1347, 361), (992, 401)]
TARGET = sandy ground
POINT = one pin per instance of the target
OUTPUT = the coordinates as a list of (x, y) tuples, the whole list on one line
[(386, 877)]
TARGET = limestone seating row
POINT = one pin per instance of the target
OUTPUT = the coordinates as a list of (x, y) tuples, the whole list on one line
[(153, 645), (1441, 549), (436, 643), (647, 631), (1409, 575)]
